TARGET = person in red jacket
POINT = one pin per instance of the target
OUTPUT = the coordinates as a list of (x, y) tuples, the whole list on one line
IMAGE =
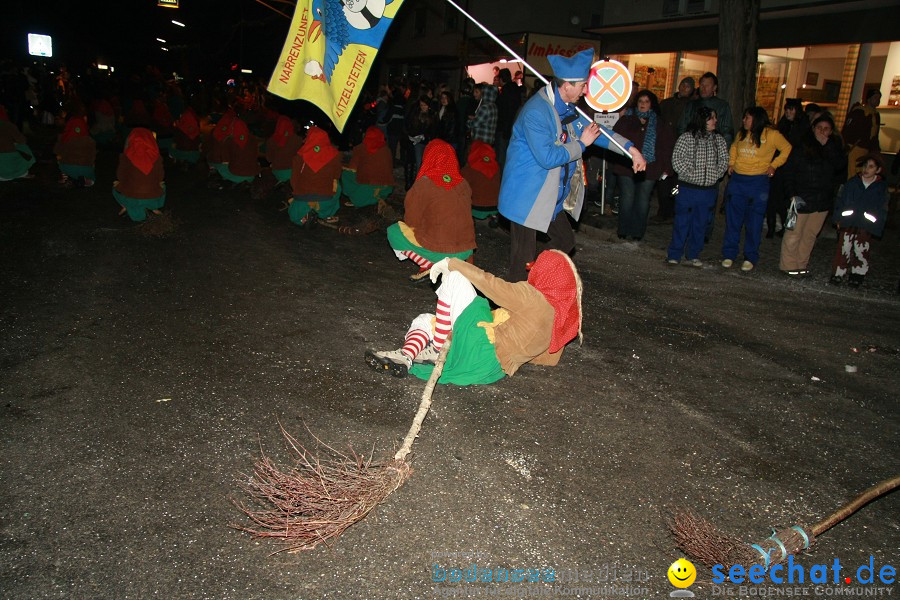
[(139, 184)]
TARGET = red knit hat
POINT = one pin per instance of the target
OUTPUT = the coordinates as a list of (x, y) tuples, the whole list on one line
[(317, 150), (554, 275), (76, 127), (374, 140), (439, 164), (483, 159), (283, 130), (141, 149)]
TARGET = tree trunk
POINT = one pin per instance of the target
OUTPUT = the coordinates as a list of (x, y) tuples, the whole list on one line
[(738, 50)]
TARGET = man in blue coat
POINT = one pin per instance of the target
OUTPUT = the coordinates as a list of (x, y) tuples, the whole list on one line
[(544, 176)]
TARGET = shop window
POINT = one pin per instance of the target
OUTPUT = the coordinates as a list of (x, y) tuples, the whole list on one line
[(671, 8)]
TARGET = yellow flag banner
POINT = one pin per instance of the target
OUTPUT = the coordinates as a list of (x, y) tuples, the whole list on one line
[(329, 51)]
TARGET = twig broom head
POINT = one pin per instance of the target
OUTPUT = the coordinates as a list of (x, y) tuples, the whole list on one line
[(317, 498)]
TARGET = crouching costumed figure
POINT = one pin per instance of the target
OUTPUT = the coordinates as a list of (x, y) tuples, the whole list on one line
[(437, 222), (139, 186)]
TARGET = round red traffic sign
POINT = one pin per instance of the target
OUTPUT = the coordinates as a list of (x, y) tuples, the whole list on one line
[(609, 85)]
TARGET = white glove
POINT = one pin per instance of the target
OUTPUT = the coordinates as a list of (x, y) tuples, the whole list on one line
[(441, 267)]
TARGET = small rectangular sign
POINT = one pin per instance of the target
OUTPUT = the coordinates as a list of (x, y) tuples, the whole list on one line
[(40, 45), (167, 3)]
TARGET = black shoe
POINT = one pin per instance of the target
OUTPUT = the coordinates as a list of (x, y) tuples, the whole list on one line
[(854, 281), (836, 280), (770, 234)]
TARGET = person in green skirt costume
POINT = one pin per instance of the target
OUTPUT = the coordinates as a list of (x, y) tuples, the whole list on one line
[(15, 155), (139, 186), (483, 174), (185, 148), (315, 180), (437, 222), (76, 152), (281, 147), (214, 145), (104, 128), (163, 124), (532, 324), (369, 178), (241, 154)]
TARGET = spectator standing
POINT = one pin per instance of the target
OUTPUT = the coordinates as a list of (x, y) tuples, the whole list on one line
[(793, 125), (465, 108), (483, 124), (860, 214), (861, 130), (447, 120), (643, 126), (752, 162), (421, 128), (814, 170), (700, 158), (670, 111), (508, 104)]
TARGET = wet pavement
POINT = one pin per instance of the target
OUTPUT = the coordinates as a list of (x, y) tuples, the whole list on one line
[(140, 377)]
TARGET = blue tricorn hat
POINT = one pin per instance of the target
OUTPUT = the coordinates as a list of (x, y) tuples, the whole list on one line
[(574, 68)]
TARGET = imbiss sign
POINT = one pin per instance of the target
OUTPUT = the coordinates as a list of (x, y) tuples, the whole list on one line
[(539, 46)]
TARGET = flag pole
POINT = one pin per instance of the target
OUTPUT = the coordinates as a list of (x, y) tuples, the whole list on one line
[(532, 69)]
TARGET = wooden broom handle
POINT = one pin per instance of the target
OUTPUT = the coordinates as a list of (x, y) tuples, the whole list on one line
[(879, 489), (425, 403)]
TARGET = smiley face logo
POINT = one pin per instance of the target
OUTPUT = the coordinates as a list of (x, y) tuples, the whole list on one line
[(682, 573)]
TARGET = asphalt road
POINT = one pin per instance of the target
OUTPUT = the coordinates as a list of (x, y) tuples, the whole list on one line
[(140, 376)]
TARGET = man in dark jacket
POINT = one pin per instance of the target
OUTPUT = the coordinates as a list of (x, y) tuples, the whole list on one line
[(793, 125), (508, 103), (670, 111)]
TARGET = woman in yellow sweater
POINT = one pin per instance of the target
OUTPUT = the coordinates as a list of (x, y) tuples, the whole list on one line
[(752, 162)]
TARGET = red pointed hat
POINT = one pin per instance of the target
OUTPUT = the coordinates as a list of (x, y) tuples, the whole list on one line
[(223, 127), (284, 127), (554, 275), (317, 150), (483, 159), (141, 149), (188, 124), (76, 127), (240, 132), (374, 140), (439, 164)]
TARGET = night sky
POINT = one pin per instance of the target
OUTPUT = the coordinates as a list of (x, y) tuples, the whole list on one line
[(123, 34)]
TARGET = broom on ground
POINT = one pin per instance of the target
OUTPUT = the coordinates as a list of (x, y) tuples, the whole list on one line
[(316, 499), (702, 541)]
